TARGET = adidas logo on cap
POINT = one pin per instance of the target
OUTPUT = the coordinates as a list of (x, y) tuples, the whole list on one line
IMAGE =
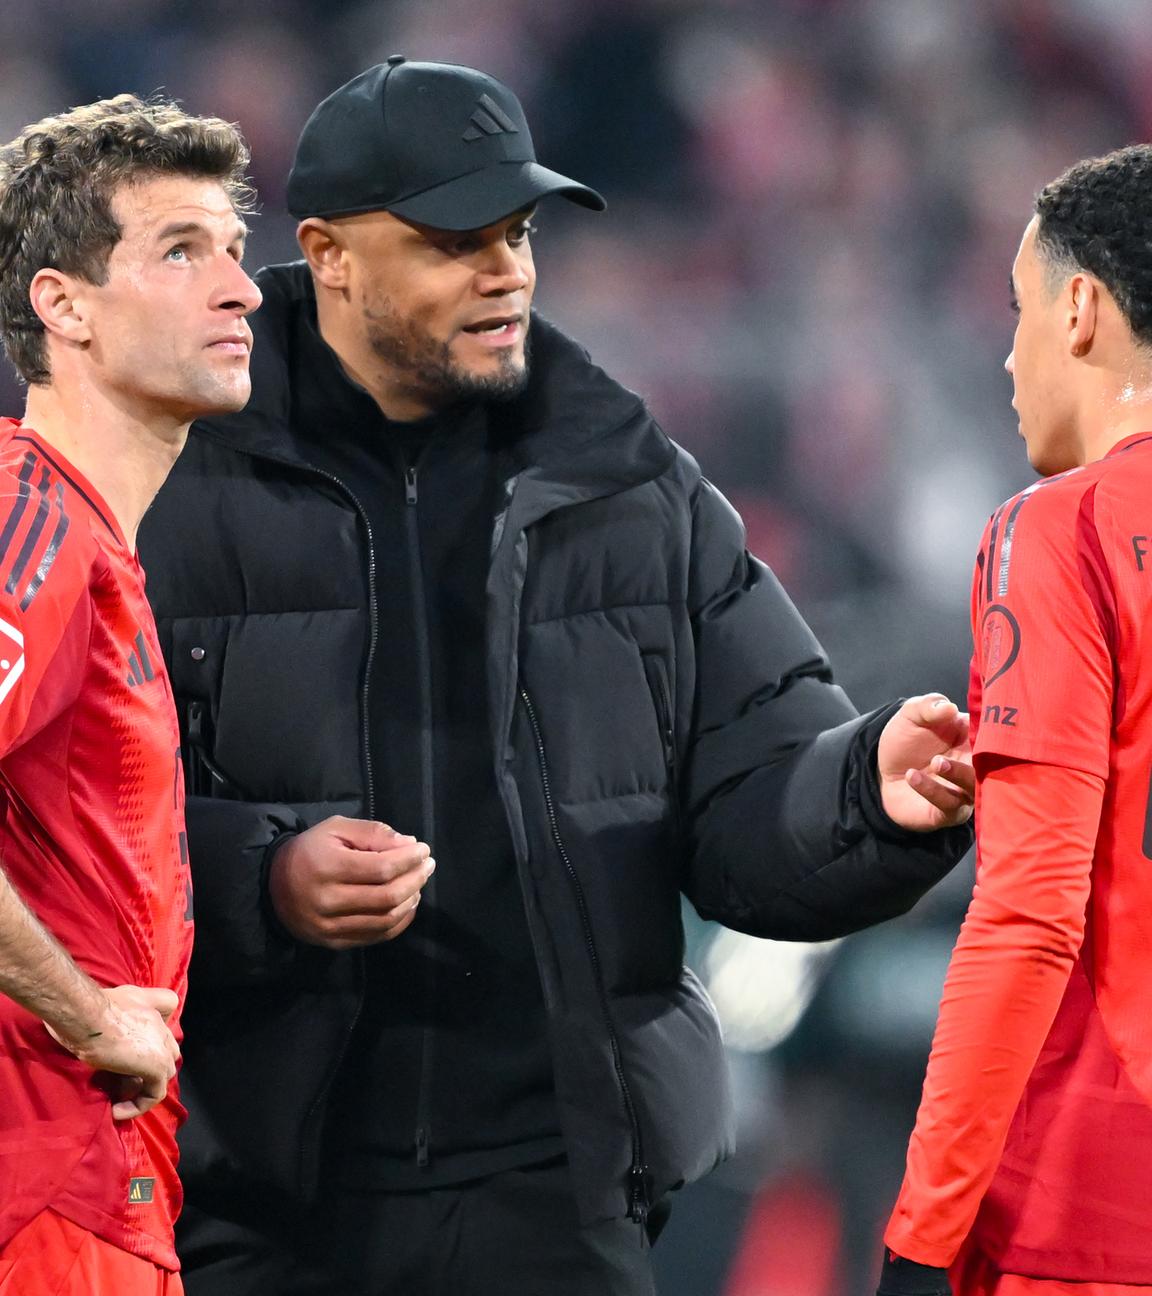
[(489, 119)]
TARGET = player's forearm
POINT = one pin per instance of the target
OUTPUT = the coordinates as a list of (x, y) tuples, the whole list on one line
[(38, 973), (997, 1010), (1007, 977)]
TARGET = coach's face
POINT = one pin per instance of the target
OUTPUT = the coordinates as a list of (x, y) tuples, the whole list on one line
[(1038, 364), (167, 327), (443, 314)]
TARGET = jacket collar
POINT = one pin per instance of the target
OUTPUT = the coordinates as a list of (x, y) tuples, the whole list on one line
[(574, 432)]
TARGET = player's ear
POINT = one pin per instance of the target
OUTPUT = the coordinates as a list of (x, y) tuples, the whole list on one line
[(1084, 304), (57, 300), (324, 250)]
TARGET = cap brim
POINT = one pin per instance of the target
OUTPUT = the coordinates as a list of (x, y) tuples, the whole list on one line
[(488, 195)]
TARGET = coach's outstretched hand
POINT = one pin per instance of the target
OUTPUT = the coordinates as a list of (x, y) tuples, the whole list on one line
[(924, 761), (348, 882), (902, 1277)]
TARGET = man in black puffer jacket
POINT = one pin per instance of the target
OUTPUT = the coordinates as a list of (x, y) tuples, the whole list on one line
[(428, 584)]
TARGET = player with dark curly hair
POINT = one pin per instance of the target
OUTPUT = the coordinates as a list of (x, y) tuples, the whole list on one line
[(1028, 1168)]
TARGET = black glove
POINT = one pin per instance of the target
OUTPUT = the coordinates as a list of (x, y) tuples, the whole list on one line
[(902, 1277)]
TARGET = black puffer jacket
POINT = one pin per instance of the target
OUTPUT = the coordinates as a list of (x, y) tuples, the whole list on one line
[(663, 721)]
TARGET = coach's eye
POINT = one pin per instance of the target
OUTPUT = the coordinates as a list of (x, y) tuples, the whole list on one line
[(177, 253)]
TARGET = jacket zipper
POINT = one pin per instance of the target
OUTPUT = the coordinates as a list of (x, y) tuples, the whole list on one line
[(422, 1138), (200, 761), (370, 791), (373, 636), (365, 728), (639, 1178), (667, 734)]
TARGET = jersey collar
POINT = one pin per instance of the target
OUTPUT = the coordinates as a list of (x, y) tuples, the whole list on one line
[(1129, 443)]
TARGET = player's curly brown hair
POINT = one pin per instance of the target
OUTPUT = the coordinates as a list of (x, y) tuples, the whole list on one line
[(1096, 217), (57, 180)]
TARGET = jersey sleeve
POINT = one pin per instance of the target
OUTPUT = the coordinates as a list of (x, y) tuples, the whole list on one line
[(44, 612), (1042, 672), (1036, 833)]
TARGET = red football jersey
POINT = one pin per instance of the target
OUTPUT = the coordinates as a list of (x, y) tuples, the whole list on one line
[(92, 838), (1055, 1183)]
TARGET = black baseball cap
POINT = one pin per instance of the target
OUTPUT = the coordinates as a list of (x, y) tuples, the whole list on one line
[(437, 143)]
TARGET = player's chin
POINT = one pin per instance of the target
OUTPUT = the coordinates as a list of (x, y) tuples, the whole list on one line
[(227, 396), (1049, 462)]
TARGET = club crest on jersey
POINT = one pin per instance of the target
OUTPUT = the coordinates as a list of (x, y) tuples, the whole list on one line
[(11, 657), (1000, 642)]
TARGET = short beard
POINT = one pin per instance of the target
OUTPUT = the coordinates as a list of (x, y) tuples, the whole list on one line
[(425, 366)]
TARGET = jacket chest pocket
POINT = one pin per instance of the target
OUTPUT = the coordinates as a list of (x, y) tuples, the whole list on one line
[(656, 674), (605, 708), (270, 703), (194, 649)]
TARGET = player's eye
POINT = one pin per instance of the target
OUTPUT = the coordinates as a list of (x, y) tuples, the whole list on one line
[(177, 253), (519, 233)]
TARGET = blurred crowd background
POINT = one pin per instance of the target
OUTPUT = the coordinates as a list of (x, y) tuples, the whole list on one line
[(813, 210)]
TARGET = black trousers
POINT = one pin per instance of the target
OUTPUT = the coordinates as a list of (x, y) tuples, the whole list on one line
[(512, 1234)]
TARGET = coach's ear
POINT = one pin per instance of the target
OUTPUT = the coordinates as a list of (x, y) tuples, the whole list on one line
[(324, 249), (1084, 304), (55, 298)]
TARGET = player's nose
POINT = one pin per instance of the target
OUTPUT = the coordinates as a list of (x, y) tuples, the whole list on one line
[(237, 290)]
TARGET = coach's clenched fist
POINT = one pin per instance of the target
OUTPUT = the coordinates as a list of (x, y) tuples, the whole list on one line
[(348, 882)]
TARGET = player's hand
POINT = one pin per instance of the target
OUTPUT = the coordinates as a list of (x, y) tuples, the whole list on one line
[(924, 760), (348, 882), (130, 1041), (902, 1277)]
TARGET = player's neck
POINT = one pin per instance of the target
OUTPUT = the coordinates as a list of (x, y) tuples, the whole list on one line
[(1118, 406), (125, 457)]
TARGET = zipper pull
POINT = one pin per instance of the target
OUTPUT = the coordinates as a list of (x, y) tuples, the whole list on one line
[(639, 1193), (410, 484), (422, 1153), (197, 783), (195, 723)]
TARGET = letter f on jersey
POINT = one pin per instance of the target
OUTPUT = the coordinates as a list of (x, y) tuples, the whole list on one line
[(11, 657)]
